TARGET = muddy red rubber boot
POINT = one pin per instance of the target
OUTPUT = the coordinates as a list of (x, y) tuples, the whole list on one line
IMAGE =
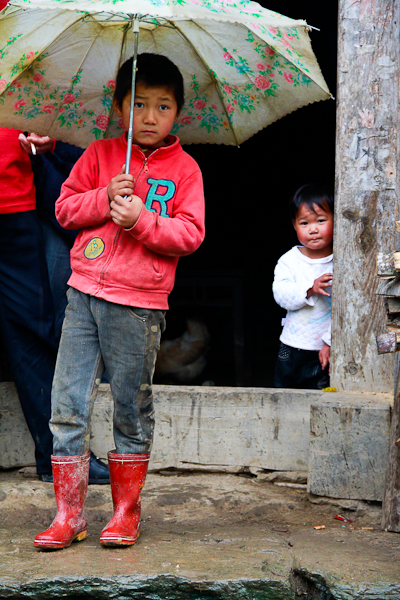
[(127, 475), (70, 478)]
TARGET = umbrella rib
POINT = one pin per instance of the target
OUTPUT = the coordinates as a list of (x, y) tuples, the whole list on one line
[(249, 78), (292, 63), (214, 79), (28, 66), (119, 65), (81, 62)]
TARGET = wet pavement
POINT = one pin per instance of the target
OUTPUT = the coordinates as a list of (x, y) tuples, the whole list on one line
[(204, 536)]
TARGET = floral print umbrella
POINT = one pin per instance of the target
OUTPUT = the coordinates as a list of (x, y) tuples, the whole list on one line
[(244, 66)]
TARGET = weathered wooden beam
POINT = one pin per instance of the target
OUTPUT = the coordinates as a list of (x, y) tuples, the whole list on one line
[(391, 499), (389, 287), (393, 322), (367, 188), (392, 305)]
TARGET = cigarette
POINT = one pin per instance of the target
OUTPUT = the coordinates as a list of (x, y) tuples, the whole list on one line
[(33, 148)]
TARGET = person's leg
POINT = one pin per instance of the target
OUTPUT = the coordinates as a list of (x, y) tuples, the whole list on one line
[(283, 376), (78, 373), (27, 324), (311, 375), (57, 252), (129, 339), (299, 369)]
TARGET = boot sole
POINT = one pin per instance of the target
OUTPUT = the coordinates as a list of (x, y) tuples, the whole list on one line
[(117, 542), (59, 546)]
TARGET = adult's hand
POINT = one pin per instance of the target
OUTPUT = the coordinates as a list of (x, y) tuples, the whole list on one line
[(41, 143)]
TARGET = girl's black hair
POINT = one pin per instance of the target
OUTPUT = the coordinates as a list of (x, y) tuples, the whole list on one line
[(311, 194), (153, 70)]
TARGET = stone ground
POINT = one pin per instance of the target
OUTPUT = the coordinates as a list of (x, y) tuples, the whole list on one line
[(204, 536)]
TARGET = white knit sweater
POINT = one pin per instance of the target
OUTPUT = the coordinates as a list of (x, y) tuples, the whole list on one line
[(308, 320)]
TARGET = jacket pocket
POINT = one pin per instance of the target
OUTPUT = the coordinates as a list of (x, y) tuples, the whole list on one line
[(157, 265)]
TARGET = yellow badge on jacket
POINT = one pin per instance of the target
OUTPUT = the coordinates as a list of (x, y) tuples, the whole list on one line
[(94, 248)]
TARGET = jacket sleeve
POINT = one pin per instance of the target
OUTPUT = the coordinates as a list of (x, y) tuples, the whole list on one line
[(327, 337), (291, 285), (180, 234), (82, 203)]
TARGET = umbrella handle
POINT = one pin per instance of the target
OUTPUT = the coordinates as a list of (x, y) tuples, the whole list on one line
[(135, 29)]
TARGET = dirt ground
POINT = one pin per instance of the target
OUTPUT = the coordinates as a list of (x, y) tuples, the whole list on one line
[(206, 527)]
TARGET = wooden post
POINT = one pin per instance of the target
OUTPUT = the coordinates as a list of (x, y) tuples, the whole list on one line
[(391, 499), (367, 187)]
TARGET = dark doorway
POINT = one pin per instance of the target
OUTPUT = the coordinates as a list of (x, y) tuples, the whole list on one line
[(248, 229)]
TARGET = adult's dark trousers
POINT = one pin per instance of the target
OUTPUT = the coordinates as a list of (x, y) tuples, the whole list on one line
[(27, 324)]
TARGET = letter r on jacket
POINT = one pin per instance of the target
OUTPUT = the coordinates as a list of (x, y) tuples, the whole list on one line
[(156, 194)]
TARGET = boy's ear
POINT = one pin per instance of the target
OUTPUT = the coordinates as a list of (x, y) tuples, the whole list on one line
[(116, 107)]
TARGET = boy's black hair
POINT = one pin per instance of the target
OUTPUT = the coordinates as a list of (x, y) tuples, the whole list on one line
[(311, 194), (153, 70)]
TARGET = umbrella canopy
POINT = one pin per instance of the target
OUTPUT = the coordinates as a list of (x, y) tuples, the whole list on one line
[(244, 66)]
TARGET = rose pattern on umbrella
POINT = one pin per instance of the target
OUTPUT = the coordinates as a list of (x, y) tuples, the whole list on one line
[(201, 110), (267, 63), (276, 64), (66, 103)]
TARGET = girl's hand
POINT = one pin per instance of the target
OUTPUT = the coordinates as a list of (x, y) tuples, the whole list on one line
[(126, 211), (120, 185), (325, 357), (320, 284)]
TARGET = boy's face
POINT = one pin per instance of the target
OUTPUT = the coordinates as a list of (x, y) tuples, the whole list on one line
[(155, 113), (315, 230)]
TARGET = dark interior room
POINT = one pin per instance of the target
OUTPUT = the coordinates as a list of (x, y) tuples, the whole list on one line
[(227, 283)]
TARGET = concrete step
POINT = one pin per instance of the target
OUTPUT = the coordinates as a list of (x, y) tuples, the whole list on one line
[(236, 429), (349, 446)]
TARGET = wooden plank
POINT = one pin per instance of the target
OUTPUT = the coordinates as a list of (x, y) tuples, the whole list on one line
[(389, 287), (391, 499), (367, 188), (393, 322), (392, 305)]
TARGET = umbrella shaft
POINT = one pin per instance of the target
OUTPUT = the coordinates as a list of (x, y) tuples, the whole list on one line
[(135, 27)]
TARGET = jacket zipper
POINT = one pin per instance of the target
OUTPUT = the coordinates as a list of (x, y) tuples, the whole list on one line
[(144, 169)]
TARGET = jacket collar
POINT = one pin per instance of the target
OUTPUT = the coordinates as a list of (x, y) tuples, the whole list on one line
[(173, 146)]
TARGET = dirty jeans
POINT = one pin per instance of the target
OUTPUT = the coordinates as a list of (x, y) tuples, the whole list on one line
[(99, 335)]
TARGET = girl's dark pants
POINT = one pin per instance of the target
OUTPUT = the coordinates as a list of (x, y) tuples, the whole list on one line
[(297, 368)]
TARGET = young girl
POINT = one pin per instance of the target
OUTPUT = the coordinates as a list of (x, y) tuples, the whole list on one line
[(302, 284)]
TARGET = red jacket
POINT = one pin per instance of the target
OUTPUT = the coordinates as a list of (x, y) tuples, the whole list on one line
[(17, 192), (135, 267)]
